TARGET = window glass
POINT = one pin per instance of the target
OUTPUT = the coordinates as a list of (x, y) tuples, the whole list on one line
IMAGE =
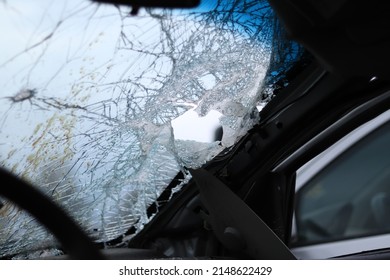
[(350, 197)]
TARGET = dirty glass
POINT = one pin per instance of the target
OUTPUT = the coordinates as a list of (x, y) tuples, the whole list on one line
[(93, 101)]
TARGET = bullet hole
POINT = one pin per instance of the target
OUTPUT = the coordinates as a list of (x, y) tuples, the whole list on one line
[(22, 95)]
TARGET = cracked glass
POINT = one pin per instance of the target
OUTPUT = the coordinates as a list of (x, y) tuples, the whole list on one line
[(101, 109)]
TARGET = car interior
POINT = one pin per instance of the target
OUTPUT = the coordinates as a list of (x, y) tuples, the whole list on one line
[(241, 203)]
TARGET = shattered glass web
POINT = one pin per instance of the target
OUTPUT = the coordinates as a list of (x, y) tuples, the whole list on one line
[(89, 93)]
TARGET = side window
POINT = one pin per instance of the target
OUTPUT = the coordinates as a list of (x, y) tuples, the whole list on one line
[(349, 197)]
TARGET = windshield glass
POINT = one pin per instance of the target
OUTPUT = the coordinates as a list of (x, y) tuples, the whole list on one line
[(101, 109)]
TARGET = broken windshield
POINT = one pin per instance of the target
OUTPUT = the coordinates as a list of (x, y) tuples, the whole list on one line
[(101, 109)]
